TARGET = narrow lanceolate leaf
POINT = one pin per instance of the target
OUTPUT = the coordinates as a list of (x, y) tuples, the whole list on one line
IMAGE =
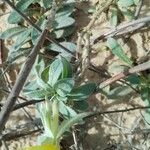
[(113, 16), (10, 33), (64, 86), (21, 5), (55, 117), (67, 69), (55, 72), (65, 126), (44, 110), (125, 3), (117, 50), (82, 92)]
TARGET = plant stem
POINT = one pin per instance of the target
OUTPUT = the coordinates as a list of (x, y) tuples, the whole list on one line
[(8, 107)]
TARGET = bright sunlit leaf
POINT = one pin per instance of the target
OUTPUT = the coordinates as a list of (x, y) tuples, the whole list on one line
[(43, 147)]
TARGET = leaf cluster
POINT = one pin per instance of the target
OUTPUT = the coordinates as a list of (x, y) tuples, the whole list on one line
[(25, 36), (122, 9)]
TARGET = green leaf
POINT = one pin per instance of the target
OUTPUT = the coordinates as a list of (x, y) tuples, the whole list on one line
[(136, 2), (70, 2), (82, 92), (14, 55), (35, 34), (43, 139), (55, 116), (46, 3), (119, 92), (117, 50), (67, 69), (63, 21), (64, 86), (31, 85), (128, 14), (59, 98), (36, 94), (22, 38), (125, 3), (45, 73), (65, 126), (133, 79), (40, 82), (55, 71), (22, 5), (64, 11), (45, 112), (68, 45), (10, 33), (66, 111), (145, 93), (81, 105), (113, 16), (62, 33)]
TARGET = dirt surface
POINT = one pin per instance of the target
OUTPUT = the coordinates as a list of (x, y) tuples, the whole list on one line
[(113, 132), (121, 131)]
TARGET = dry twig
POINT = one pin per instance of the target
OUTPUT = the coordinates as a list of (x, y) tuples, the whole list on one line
[(135, 69), (123, 29)]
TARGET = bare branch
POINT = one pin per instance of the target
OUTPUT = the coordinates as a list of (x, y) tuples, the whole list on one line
[(21, 105), (14, 135), (135, 69), (125, 28), (97, 113)]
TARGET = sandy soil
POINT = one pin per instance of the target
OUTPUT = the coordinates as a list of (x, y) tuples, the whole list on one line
[(109, 132)]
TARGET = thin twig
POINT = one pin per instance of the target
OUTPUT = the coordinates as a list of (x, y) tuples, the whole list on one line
[(97, 113), (135, 69), (21, 105), (75, 140), (6, 91), (138, 9), (24, 110), (14, 135)]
